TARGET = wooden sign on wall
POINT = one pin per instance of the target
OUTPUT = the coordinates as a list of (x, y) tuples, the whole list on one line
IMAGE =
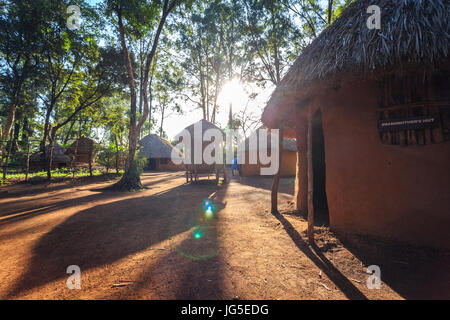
[(411, 123)]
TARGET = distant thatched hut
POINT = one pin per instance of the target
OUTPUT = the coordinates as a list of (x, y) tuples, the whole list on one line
[(59, 159), (84, 150), (288, 164), (158, 151), (377, 103), (194, 170)]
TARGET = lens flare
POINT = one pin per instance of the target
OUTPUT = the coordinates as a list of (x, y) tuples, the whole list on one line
[(209, 212), (197, 234)]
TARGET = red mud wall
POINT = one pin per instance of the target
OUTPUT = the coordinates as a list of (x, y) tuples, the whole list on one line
[(398, 192), (288, 165)]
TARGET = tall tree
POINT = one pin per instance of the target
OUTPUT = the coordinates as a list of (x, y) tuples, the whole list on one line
[(273, 40), (137, 16), (21, 23), (211, 51)]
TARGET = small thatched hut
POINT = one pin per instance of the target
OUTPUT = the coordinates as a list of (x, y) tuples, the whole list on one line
[(158, 151), (59, 159), (288, 165), (375, 107), (194, 170), (84, 150)]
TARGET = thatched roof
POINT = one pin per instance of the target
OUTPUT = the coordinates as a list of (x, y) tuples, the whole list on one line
[(205, 126), (83, 145), (413, 34), (152, 146), (288, 144), (57, 155)]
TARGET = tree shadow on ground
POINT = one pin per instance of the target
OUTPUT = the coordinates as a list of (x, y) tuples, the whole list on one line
[(287, 184), (106, 233), (319, 259), (24, 189), (412, 272), (321, 219), (193, 268), (29, 208)]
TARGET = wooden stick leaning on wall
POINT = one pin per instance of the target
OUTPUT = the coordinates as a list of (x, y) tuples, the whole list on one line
[(276, 177), (310, 180)]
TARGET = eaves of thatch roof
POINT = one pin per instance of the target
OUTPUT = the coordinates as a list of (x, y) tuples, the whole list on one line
[(152, 146), (57, 154), (82, 145), (288, 144), (414, 34), (206, 125)]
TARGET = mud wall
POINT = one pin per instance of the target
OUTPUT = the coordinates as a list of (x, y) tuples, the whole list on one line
[(398, 192), (288, 165)]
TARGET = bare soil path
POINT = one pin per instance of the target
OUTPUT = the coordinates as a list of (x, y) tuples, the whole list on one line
[(161, 244)]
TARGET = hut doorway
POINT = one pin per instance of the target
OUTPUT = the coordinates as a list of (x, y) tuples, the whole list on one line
[(321, 213), (151, 164)]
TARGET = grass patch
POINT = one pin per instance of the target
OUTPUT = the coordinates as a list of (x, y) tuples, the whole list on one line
[(56, 174)]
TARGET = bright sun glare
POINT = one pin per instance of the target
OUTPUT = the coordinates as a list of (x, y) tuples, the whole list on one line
[(234, 93)]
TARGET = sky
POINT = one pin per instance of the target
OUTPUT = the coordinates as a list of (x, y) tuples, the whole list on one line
[(235, 94)]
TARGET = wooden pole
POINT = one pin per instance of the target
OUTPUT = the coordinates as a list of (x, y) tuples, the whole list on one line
[(310, 181), (90, 160), (5, 168), (301, 182), (74, 159), (28, 161), (276, 177)]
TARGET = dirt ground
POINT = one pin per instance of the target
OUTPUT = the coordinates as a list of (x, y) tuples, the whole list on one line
[(160, 244)]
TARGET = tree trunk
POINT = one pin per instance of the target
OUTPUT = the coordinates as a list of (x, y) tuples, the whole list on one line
[(5, 169), (130, 180), (28, 162), (25, 132), (50, 157), (7, 130), (162, 122), (66, 139), (117, 153), (330, 10)]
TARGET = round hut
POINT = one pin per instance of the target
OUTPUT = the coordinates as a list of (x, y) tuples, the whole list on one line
[(84, 150), (59, 159), (158, 151), (374, 105), (194, 171)]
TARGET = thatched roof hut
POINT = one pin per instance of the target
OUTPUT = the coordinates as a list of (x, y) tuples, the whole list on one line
[(414, 37), (159, 153), (193, 170), (153, 146), (206, 125), (85, 150), (288, 144), (59, 159), (372, 108)]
